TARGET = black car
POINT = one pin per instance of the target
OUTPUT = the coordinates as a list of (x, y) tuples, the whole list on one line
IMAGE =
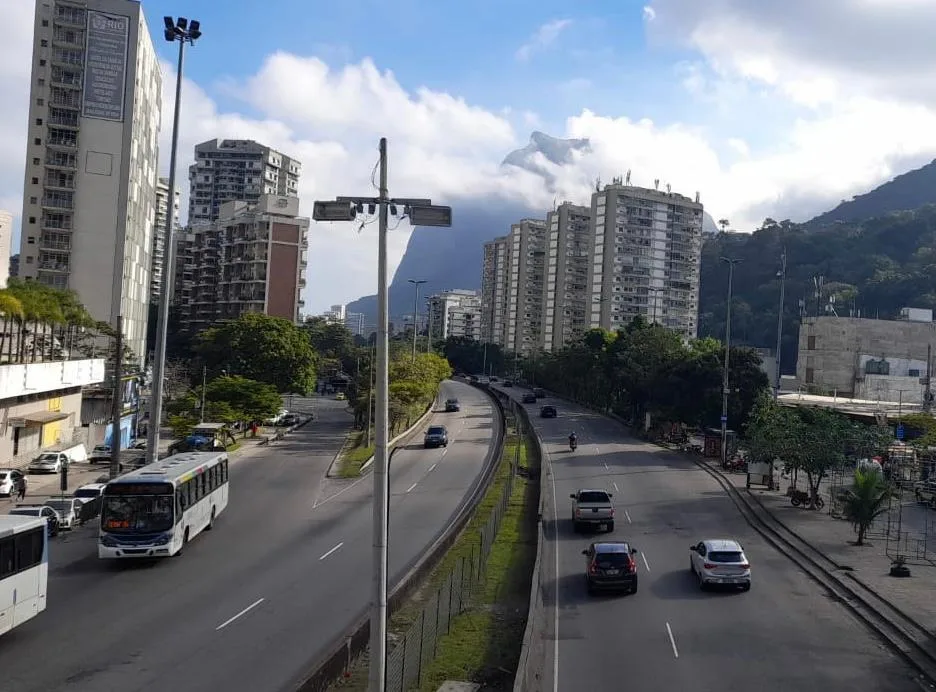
[(436, 436), (611, 566), (548, 412), (452, 405), (529, 398)]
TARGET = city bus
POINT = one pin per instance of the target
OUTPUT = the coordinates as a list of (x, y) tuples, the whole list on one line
[(24, 569), (157, 509)]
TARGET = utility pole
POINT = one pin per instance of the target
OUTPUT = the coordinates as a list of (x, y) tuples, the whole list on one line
[(928, 391), (429, 328), (117, 401), (725, 391), (780, 321), (417, 283), (204, 391), (371, 378), (421, 212)]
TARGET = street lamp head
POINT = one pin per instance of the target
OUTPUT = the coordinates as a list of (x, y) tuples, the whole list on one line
[(333, 211), (181, 29), (430, 215), (729, 260)]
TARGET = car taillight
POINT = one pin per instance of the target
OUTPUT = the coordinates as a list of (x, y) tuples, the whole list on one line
[(592, 568), (744, 565), (631, 565), (612, 511), (709, 565)]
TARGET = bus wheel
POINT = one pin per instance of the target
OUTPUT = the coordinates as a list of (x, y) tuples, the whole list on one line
[(211, 520), (184, 542)]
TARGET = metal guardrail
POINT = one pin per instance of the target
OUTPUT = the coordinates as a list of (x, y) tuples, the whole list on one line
[(349, 645)]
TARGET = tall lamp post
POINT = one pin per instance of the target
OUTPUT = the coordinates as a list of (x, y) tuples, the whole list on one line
[(429, 326), (183, 31), (782, 275), (417, 283), (725, 391), (421, 212)]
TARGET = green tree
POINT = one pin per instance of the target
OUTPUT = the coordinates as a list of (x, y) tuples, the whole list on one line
[(866, 500), (263, 348), (247, 400)]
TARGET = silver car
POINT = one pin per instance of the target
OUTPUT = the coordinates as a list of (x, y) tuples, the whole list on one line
[(721, 562), (69, 511)]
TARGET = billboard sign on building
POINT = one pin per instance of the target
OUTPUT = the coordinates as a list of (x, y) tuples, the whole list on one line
[(106, 66)]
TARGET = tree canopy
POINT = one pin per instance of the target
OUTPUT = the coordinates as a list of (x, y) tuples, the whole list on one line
[(646, 368), (263, 348)]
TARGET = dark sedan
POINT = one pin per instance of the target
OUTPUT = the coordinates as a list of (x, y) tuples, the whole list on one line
[(436, 436), (529, 398), (611, 566), (548, 412)]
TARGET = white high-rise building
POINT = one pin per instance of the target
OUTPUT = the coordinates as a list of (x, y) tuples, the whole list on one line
[(6, 241), (646, 252), (525, 285), (455, 313), (159, 234), (565, 295), (237, 170), (95, 100), (494, 275)]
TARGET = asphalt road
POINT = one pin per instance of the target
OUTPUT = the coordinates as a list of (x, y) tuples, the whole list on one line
[(784, 634), (252, 603)]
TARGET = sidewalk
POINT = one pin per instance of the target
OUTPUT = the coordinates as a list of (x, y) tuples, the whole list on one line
[(835, 538)]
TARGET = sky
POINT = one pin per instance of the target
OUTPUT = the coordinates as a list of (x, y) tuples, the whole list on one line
[(766, 109)]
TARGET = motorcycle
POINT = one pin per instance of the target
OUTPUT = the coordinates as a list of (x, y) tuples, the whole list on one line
[(801, 497)]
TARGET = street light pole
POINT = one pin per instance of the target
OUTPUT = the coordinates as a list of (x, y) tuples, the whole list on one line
[(780, 321), (421, 212), (417, 283), (183, 31), (429, 327), (725, 391)]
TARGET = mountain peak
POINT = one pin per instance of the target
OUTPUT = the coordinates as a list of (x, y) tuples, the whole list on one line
[(555, 150)]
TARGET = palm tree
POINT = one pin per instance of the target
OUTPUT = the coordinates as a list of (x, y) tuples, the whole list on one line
[(11, 310), (866, 500)]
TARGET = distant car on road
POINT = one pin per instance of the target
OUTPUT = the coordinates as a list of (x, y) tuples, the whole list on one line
[(452, 405), (548, 412), (341, 396), (101, 454), (529, 398), (436, 436), (593, 509), (610, 565), (720, 561)]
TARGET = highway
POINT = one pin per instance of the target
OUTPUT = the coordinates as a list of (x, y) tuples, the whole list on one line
[(784, 634), (251, 604)]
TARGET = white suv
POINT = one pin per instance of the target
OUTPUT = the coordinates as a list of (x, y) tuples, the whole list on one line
[(720, 561)]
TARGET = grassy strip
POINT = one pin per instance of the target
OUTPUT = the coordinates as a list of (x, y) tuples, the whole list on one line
[(484, 641), (354, 455)]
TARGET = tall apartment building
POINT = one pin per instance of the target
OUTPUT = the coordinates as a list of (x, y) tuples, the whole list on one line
[(526, 281), (354, 321), (159, 234), (494, 275), (237, 169), (6, 242), (455, 313), (251, 259), (646, 251), (336, 313), (566, 298), (95, 100)]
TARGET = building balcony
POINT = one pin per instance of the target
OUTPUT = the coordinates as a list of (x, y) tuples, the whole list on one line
[(53, 266), (54, 242), (68, 38), (64, 203), (66, 143), (61, 160), (66, 15)]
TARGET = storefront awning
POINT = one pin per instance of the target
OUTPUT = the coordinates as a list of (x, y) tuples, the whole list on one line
[(43, 417)]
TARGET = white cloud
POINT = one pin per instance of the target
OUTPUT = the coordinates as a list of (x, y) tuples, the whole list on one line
[(544, 37), (649, 14), (444, 148)]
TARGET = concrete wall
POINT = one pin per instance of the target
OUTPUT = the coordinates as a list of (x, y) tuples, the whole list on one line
[(36, 378), (19, 445)]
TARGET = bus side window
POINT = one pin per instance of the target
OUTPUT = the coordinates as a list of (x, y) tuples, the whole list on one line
[(183, 500), (224, 471), (7, 563)]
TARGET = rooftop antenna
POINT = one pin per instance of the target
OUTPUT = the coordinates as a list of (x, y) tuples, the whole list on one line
[(697, 197), (555, 205), (668, 188), (656, 184), (598, 184), (627, 177)]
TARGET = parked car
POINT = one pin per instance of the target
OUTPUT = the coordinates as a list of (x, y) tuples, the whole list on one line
[(452, 405), (436, 436), (720, 561), (48, 462), (291, 419), (529, 398), (11, 481), (548, 412), (68, 509), (51, 516), (611, 565), (592, 508), (101, 454)]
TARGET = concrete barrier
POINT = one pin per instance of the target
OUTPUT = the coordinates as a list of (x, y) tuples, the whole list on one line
[(337, 660)]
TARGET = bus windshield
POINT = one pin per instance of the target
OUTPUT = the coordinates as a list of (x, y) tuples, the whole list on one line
[(137, 513)]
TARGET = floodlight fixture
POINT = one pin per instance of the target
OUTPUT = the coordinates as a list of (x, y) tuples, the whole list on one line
[(333, 211), (433, 215)]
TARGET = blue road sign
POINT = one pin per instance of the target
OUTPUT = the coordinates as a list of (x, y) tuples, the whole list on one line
[(900, 431), (724, 419)]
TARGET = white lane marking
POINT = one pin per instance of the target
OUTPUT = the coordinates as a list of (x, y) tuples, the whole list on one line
[(627, 516), (597, 451), (409, 489), (646, 564), (615, 487), (672, 640), (444, 451), (606, 467), (243, 612), (332, 551), (340, 492), (431, 467)]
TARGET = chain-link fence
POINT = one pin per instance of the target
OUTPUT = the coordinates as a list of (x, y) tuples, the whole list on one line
[(416, 649)]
